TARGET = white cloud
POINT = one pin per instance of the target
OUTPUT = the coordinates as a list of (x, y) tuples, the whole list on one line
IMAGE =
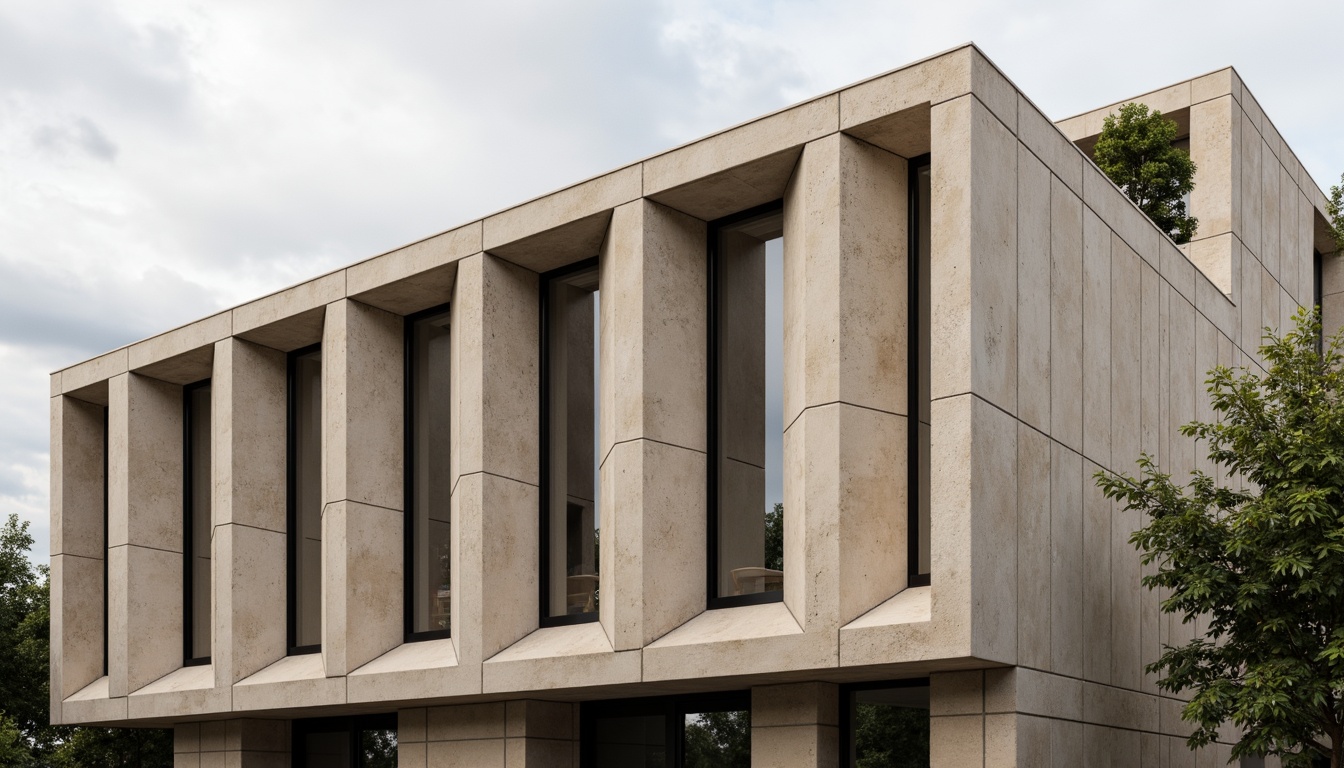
[(159, 160)]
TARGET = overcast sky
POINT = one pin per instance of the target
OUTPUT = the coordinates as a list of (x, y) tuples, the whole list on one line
[(160, 159)]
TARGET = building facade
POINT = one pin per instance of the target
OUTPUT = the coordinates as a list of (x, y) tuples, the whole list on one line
[(787, 433)]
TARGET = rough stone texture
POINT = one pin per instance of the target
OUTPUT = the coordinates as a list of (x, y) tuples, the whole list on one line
[(144, 531), (248, 552), (845, 271), (514, 734), (239, 743), (362, 436)]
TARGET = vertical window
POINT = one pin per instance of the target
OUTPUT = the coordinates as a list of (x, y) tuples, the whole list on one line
[(569, 444), (1317, 264), (1183, 144), (668, 732), (106, 547), (918, 389), (428, 484), (305, 500), (746, 408), (885, 724), (197, 524)]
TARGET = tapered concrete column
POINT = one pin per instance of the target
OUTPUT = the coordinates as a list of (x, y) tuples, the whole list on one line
[(77, 547), (363, 481), (795, 726), (234, 743), (973, 379), (532, 734), (653, 423), (248, 428), (494, 456), (845, 278), (144, 531)]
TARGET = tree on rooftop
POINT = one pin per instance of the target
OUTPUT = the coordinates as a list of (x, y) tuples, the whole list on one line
[(1260, 557), (1135, 150), (1335, 207)]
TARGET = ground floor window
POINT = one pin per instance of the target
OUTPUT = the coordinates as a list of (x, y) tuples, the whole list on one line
[(885, 725), (704, 731), (346, 742)]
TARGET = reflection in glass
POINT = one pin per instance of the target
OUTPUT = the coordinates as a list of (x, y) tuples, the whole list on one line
[(638, 741), (921, 391), (377, 748), (717, 739), (198, 517), (571, 387), (429, 476), (889, 728), (345, 743), (327, 748), (748, 309), (305, 437), (711, 731)]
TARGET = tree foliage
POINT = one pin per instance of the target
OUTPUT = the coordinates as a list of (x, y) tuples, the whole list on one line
[(718, 740), (890, 737), (1260, 557), (26, 737), (1135, 150), (774, 538), (1335, 207), (114, 748)]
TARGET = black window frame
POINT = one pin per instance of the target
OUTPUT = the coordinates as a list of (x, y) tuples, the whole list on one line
[(916, 340), (673, 708), (713, 600), (107, 548), (188, 528), (1317, 287), (353, 725), (291, 504), (846, 719), (409, 635), (544, 447)]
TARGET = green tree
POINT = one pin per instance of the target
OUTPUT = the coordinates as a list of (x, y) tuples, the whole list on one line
[(890, 737), (1335, 207), (718, 740), (774, 538), (1261, 557), (24, 618), (108, 747), (13, 749), (1135, 150), (26, 737)]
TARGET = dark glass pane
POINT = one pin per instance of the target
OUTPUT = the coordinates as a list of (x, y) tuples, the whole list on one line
[(717, 740), (307, 482), (630, 742), (749, 325), (431, 484), (573, 365), (378, 749), (923, 563), (199, 451), (328, 749), (889, 728)]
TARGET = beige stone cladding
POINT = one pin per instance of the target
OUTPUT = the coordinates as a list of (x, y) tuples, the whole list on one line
[(240, 743), (514, 734), (1066, 335)]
